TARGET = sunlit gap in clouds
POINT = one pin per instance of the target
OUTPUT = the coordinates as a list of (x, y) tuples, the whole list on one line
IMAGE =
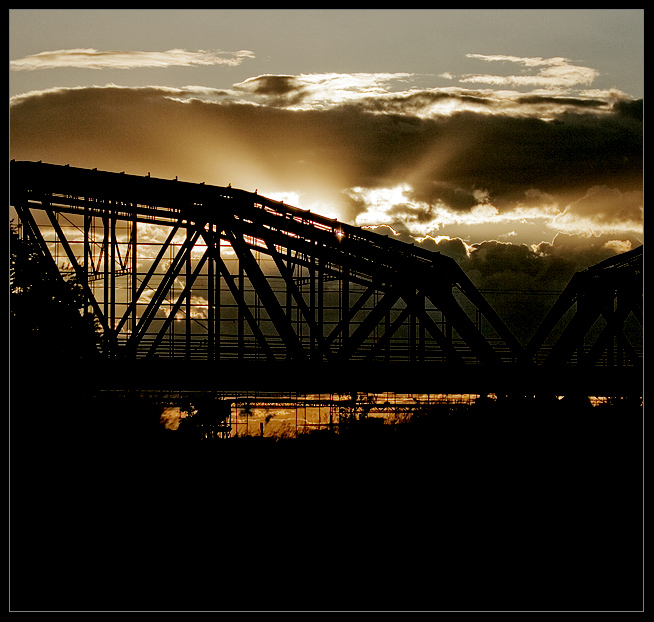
[(151, 237), (295, 199), (396, 206)]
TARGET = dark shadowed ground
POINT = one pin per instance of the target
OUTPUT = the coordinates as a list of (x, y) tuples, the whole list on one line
[(511, 506)]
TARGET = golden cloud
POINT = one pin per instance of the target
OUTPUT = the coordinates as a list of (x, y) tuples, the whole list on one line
[(553, 73)]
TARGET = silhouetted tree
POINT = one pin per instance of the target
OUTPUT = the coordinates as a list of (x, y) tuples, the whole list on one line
[(45, 320)]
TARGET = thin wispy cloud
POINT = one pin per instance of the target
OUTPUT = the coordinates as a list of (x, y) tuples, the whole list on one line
[(89, 58), (552, 72)]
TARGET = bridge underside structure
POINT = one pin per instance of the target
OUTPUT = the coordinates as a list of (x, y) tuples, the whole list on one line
[(201, 287)]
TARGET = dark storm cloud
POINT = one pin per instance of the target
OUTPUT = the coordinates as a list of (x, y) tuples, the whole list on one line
[(632, 109), (446, 161), (585, 160), (508, 156), (493, 264), (434, 192), (562, 101), (277, 90)]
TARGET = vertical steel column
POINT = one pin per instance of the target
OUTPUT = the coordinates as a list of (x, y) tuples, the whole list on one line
[(187, 320), (448, 335), (211, 295), (421, 327), (387, 330), (321, 297), (413, 346), (620, 338), (345, 306), (581, 305), (312, 307), (289, 267), (105, 281), (134, 269), (112, 318), (87, 250), (241, 317), (216, 292), (611, 349), (171, 332)]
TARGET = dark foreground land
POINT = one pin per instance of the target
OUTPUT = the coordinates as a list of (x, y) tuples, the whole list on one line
[(520, 506)]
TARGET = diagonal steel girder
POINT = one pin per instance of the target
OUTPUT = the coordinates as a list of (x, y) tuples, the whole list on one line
[(286, 273), (212, 241), (183, 296), (146, 281), (79, 270), (281, 322), (437, 280), (162, 290), (614, 328)]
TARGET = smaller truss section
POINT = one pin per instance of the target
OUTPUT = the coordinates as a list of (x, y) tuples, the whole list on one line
[(598, 318)]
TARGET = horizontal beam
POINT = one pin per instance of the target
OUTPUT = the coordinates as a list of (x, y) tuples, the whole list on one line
[(364, 376)]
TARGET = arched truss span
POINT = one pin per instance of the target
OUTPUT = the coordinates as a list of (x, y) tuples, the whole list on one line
[(179, 270)]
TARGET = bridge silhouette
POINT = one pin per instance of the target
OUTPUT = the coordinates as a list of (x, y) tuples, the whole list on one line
[(199, 287), (233, 301)]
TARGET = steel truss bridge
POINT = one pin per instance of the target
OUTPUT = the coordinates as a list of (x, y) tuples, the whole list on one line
[(198, 287)]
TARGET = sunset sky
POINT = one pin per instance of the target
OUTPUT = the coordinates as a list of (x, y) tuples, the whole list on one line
[(510, 140)]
